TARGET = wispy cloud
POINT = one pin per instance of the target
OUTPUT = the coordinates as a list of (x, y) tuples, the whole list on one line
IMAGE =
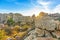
[(8, 11), (43, 2), (31, 11), (35, 7), (57, 9), (4, 11), (44, 6)]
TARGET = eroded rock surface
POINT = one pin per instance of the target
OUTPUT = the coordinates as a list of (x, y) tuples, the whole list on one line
[(46, 28)]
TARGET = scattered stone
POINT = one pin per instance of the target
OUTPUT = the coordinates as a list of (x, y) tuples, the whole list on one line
[(9, 39), (57, 34), (17, 38), (45, 38), (39, 32)]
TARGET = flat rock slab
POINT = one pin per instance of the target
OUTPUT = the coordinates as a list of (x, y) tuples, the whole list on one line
[(43, 38)]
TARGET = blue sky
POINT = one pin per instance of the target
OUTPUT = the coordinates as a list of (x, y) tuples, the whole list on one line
[(29, 7)]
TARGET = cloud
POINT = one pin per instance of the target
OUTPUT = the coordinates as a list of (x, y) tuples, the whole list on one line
[(57, 9), (3, 11), (30, 11), (8, 11), (43, 2), (38, 6), (44, 6), (34, 10)]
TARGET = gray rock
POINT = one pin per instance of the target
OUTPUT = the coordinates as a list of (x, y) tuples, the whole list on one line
[(57, 34), (17, 38), (9, 39), (45, 22)]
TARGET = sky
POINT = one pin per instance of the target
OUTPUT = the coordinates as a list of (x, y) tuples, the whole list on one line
[(29, 7)]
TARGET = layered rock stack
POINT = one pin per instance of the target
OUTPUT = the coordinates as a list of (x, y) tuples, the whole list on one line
[(46, 28)]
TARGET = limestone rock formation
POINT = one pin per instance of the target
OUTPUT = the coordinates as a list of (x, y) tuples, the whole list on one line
[(46, 28), (45, 22)]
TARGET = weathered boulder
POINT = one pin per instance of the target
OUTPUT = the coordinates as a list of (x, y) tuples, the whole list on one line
[(17, 38), (39, 32), (31, 36), (42, 33), (57, 34), (58, 25), (45, 22), (47, 34), (9, 39), (45, 29)]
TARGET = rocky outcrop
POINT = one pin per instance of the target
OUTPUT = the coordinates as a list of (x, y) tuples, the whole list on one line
[(45, 22), (46, 28), (41, 34), (57, 34)]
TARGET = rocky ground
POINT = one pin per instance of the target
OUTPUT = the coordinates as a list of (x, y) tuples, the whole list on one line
[(40, 34), (46, 29)]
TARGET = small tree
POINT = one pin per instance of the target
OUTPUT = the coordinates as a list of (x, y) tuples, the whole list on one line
[(10, 22)]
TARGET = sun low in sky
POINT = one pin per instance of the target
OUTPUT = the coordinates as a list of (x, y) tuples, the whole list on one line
[(29, 7)]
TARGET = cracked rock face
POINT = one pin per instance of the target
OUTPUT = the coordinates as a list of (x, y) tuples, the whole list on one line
[(57, 34), (39, 32), (31, 36), (45, 29), (45, 23), (35, 35)]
